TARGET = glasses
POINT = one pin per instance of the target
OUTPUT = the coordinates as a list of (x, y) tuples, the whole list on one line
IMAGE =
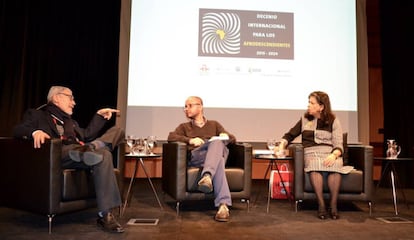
[(71, 97), (190, 105)]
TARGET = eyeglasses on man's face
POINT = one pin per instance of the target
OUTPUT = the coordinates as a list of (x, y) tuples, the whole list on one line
[(71, 97), (190, 105)]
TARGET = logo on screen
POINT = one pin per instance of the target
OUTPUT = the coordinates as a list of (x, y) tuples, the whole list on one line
[(220, 33), (245, 34)]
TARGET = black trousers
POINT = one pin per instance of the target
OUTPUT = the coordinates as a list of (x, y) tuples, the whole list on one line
[(106, 185)]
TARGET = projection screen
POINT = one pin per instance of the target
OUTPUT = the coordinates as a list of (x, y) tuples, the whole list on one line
[(253, 63)]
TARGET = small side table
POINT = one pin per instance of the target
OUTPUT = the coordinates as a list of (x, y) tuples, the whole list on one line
[(390, 165), (139, 159), (273, 165)]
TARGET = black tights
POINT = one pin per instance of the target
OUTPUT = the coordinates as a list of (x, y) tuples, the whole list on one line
[(334, 182)]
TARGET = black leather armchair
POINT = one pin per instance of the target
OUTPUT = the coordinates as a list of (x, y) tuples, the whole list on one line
[(355, 186), (180, 181), (34, 181)]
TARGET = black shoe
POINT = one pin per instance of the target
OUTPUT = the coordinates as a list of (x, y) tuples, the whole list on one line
[(85, 154), (92, 158), (76, 154), (322, 215), (334, 215), (110, 224)]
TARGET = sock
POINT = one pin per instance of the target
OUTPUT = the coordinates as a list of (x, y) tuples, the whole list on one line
[(102, 213)]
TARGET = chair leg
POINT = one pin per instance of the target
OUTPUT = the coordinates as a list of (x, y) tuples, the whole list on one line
[(297, 205), (50, 219), (177, 208), (370, 208), (120, 211), (248, 205), (247, 201)]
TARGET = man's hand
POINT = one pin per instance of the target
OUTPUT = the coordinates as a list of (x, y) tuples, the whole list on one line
[(196, 141), (107, 112), (39, 138), (223, 135)]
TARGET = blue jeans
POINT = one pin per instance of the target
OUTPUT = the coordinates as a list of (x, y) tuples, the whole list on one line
[(212, 156)]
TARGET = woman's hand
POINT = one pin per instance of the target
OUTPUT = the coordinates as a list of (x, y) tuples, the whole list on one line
[(329, 160)]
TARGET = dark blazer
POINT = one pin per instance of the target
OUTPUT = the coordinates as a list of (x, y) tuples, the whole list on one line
[(39, 119)]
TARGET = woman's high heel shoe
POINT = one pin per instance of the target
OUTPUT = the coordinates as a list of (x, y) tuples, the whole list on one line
[(322, 215), (334, 215)]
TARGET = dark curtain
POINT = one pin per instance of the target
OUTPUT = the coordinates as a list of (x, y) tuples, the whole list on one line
[(397, 46), (49, 42)]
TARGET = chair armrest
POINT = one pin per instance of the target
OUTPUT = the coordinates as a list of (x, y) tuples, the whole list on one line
[(118, 155), (240, 156), (174, 166), (33, 178), (361, 157), (296, 151)]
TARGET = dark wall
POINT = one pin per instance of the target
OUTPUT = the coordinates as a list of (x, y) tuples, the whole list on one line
[(397, 72), (44, 43), (398, 83)]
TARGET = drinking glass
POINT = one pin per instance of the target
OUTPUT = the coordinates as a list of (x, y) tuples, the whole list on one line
[(271, 144), (151, 141), (140, 146), (131, 142)]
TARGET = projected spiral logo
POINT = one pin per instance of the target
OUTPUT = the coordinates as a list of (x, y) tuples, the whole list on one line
[(220, 33)]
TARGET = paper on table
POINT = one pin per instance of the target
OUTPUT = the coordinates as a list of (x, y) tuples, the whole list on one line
[(261, 152), (224, 137), (346, 169)]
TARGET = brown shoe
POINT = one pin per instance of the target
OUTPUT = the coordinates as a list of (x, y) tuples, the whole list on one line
[(205, 184), (110, 224), (223, 214)]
